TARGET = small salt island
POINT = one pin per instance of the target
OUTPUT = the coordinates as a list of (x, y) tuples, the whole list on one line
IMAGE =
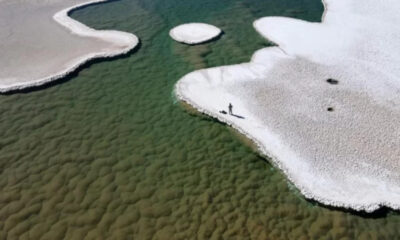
[(194, 33)]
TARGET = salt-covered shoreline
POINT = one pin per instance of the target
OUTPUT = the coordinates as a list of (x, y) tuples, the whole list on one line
[(123, 43), (345, 158)]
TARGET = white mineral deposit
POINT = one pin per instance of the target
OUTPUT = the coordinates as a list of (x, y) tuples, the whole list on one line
[(323, 104), (194, 33), (41, 43)]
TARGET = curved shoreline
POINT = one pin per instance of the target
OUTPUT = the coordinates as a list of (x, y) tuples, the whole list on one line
[(368, 206), (266, 154), (126, 40)]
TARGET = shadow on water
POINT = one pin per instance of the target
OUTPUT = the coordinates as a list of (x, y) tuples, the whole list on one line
[(214, 39), (90, 5), (381, 212), (74, 73)]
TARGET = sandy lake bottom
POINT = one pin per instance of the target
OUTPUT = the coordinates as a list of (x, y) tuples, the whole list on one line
[(108, 153)]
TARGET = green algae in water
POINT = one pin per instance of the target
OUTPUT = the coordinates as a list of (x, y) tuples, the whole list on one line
[(109, 154)]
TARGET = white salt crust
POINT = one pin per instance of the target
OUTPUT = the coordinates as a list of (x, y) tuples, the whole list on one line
[(123, 41), (194, 33), (348, 157)]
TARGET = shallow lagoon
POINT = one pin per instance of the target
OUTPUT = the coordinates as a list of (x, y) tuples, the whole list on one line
[(109, 154)]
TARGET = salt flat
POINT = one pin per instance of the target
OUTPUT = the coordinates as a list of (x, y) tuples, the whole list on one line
[(194, 33), (40, 43), (337, 140)]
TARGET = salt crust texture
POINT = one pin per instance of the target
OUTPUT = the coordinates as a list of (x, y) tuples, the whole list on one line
[(348, 157), (194, 33), (37, 50)]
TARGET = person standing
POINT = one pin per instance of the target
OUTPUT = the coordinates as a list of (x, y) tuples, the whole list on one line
[(230, 109)]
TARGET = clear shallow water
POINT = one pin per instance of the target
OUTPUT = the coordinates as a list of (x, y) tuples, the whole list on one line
[(109, 154)]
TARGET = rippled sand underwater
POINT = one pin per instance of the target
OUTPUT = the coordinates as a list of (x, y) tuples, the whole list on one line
[(108, 153)]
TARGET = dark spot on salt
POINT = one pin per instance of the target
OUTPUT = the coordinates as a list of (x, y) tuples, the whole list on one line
[(332, 81), (330, 109)]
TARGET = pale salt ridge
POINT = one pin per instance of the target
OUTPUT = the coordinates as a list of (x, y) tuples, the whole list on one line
[(123, 43), (194, 33), (348, 157)]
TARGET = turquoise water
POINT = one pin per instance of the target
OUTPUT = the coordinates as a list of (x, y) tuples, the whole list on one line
[(108, 153)]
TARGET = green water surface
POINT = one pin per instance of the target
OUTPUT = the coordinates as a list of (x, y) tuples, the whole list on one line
[(108, 153)]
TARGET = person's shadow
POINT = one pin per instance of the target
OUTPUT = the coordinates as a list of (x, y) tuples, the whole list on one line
[(238, 116)]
